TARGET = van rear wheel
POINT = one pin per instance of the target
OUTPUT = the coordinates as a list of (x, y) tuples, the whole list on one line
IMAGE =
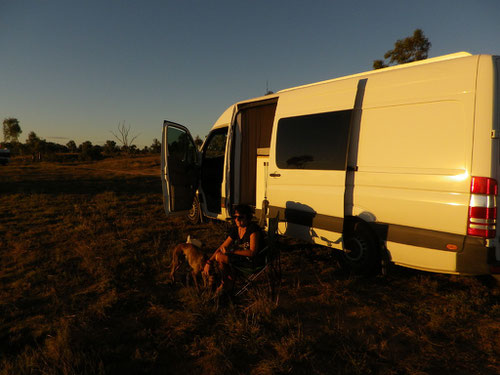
[(361, 253), (194, 214)]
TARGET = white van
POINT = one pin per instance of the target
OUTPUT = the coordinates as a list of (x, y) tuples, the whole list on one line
[(400, 162)]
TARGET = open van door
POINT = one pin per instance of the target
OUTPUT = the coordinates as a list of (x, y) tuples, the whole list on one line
[(180, 168)]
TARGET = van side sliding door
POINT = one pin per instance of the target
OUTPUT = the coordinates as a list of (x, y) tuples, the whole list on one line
[(307, 175)]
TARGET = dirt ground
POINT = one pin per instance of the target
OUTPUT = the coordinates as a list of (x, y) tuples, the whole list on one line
[(84, 289)]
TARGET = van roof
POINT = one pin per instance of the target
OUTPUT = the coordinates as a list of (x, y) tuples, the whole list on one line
[(226, 116), (395, 67)]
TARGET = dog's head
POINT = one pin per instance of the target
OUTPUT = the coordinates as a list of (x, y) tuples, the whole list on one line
[(194, 242)]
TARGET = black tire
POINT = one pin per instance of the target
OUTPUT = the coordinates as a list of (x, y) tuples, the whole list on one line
[(194, 214), (361, 253)]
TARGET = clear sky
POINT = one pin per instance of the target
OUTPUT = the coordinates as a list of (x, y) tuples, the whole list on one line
[(75, 69)]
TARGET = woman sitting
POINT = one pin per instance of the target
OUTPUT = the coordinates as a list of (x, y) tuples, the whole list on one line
[(239, 248)]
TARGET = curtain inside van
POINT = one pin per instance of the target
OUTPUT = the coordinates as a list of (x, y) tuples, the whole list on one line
[(256, 129)]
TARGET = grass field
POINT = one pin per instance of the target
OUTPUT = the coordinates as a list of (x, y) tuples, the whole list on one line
[(85, 250)]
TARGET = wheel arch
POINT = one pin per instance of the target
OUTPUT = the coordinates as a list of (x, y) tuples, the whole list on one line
[(351, 223), (376, 232)]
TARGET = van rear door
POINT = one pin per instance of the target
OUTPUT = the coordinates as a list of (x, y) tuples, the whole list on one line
[(180, 168)]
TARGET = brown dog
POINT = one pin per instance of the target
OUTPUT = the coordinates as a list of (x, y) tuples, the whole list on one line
[(195, 258)]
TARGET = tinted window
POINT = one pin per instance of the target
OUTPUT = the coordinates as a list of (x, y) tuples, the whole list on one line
[(180, 146), (216, 146), (314, 141), (212, 168)]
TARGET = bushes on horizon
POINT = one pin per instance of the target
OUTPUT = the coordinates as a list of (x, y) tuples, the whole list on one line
[(41, 150), (110, 148), (71, 146), (88, 152)]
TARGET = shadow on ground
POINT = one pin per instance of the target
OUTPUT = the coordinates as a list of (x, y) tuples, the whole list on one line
[(135, 185)]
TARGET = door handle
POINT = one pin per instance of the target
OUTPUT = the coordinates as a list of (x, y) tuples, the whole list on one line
[(274, 174)]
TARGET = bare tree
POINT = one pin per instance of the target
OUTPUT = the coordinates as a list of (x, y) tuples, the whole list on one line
[(123, 136)]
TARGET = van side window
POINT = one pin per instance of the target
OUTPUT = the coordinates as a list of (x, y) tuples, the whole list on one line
[(316, 141), (212, 168), (216, 146), (180, 146)]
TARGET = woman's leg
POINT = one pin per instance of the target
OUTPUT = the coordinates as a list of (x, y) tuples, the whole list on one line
[(227, 279)]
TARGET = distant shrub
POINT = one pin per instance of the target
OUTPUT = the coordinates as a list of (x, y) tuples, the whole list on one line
[(88, 152)]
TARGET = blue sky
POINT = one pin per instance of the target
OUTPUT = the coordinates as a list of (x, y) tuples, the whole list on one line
[(75, 69)]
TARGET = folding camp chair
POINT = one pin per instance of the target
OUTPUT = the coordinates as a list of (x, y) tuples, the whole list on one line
[(269, 267)]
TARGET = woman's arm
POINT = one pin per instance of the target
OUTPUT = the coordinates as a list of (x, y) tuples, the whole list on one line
[(225, 245), (222, 248), (254, 246)]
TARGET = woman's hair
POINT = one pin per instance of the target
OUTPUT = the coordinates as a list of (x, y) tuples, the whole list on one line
[(244, 209)]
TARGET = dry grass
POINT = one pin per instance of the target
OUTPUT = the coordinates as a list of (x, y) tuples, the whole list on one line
[(84, 290)]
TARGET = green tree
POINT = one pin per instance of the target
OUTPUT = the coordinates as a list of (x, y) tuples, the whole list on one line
[(11, 129), (198, 141), (412, 48), (110, 148), (156, 146), (71, 145), (36, 146), (89, 152), (34, 142), (379, 64)]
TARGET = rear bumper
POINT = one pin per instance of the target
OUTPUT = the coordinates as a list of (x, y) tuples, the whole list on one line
[(476, 258)]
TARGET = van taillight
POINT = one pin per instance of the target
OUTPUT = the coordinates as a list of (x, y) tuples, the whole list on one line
[(482, 207), (483, 185)]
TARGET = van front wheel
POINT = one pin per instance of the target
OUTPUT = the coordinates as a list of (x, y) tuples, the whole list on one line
[(361, 253), (194, 214)]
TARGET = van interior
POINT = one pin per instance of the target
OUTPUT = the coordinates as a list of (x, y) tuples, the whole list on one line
[(254, 125)]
